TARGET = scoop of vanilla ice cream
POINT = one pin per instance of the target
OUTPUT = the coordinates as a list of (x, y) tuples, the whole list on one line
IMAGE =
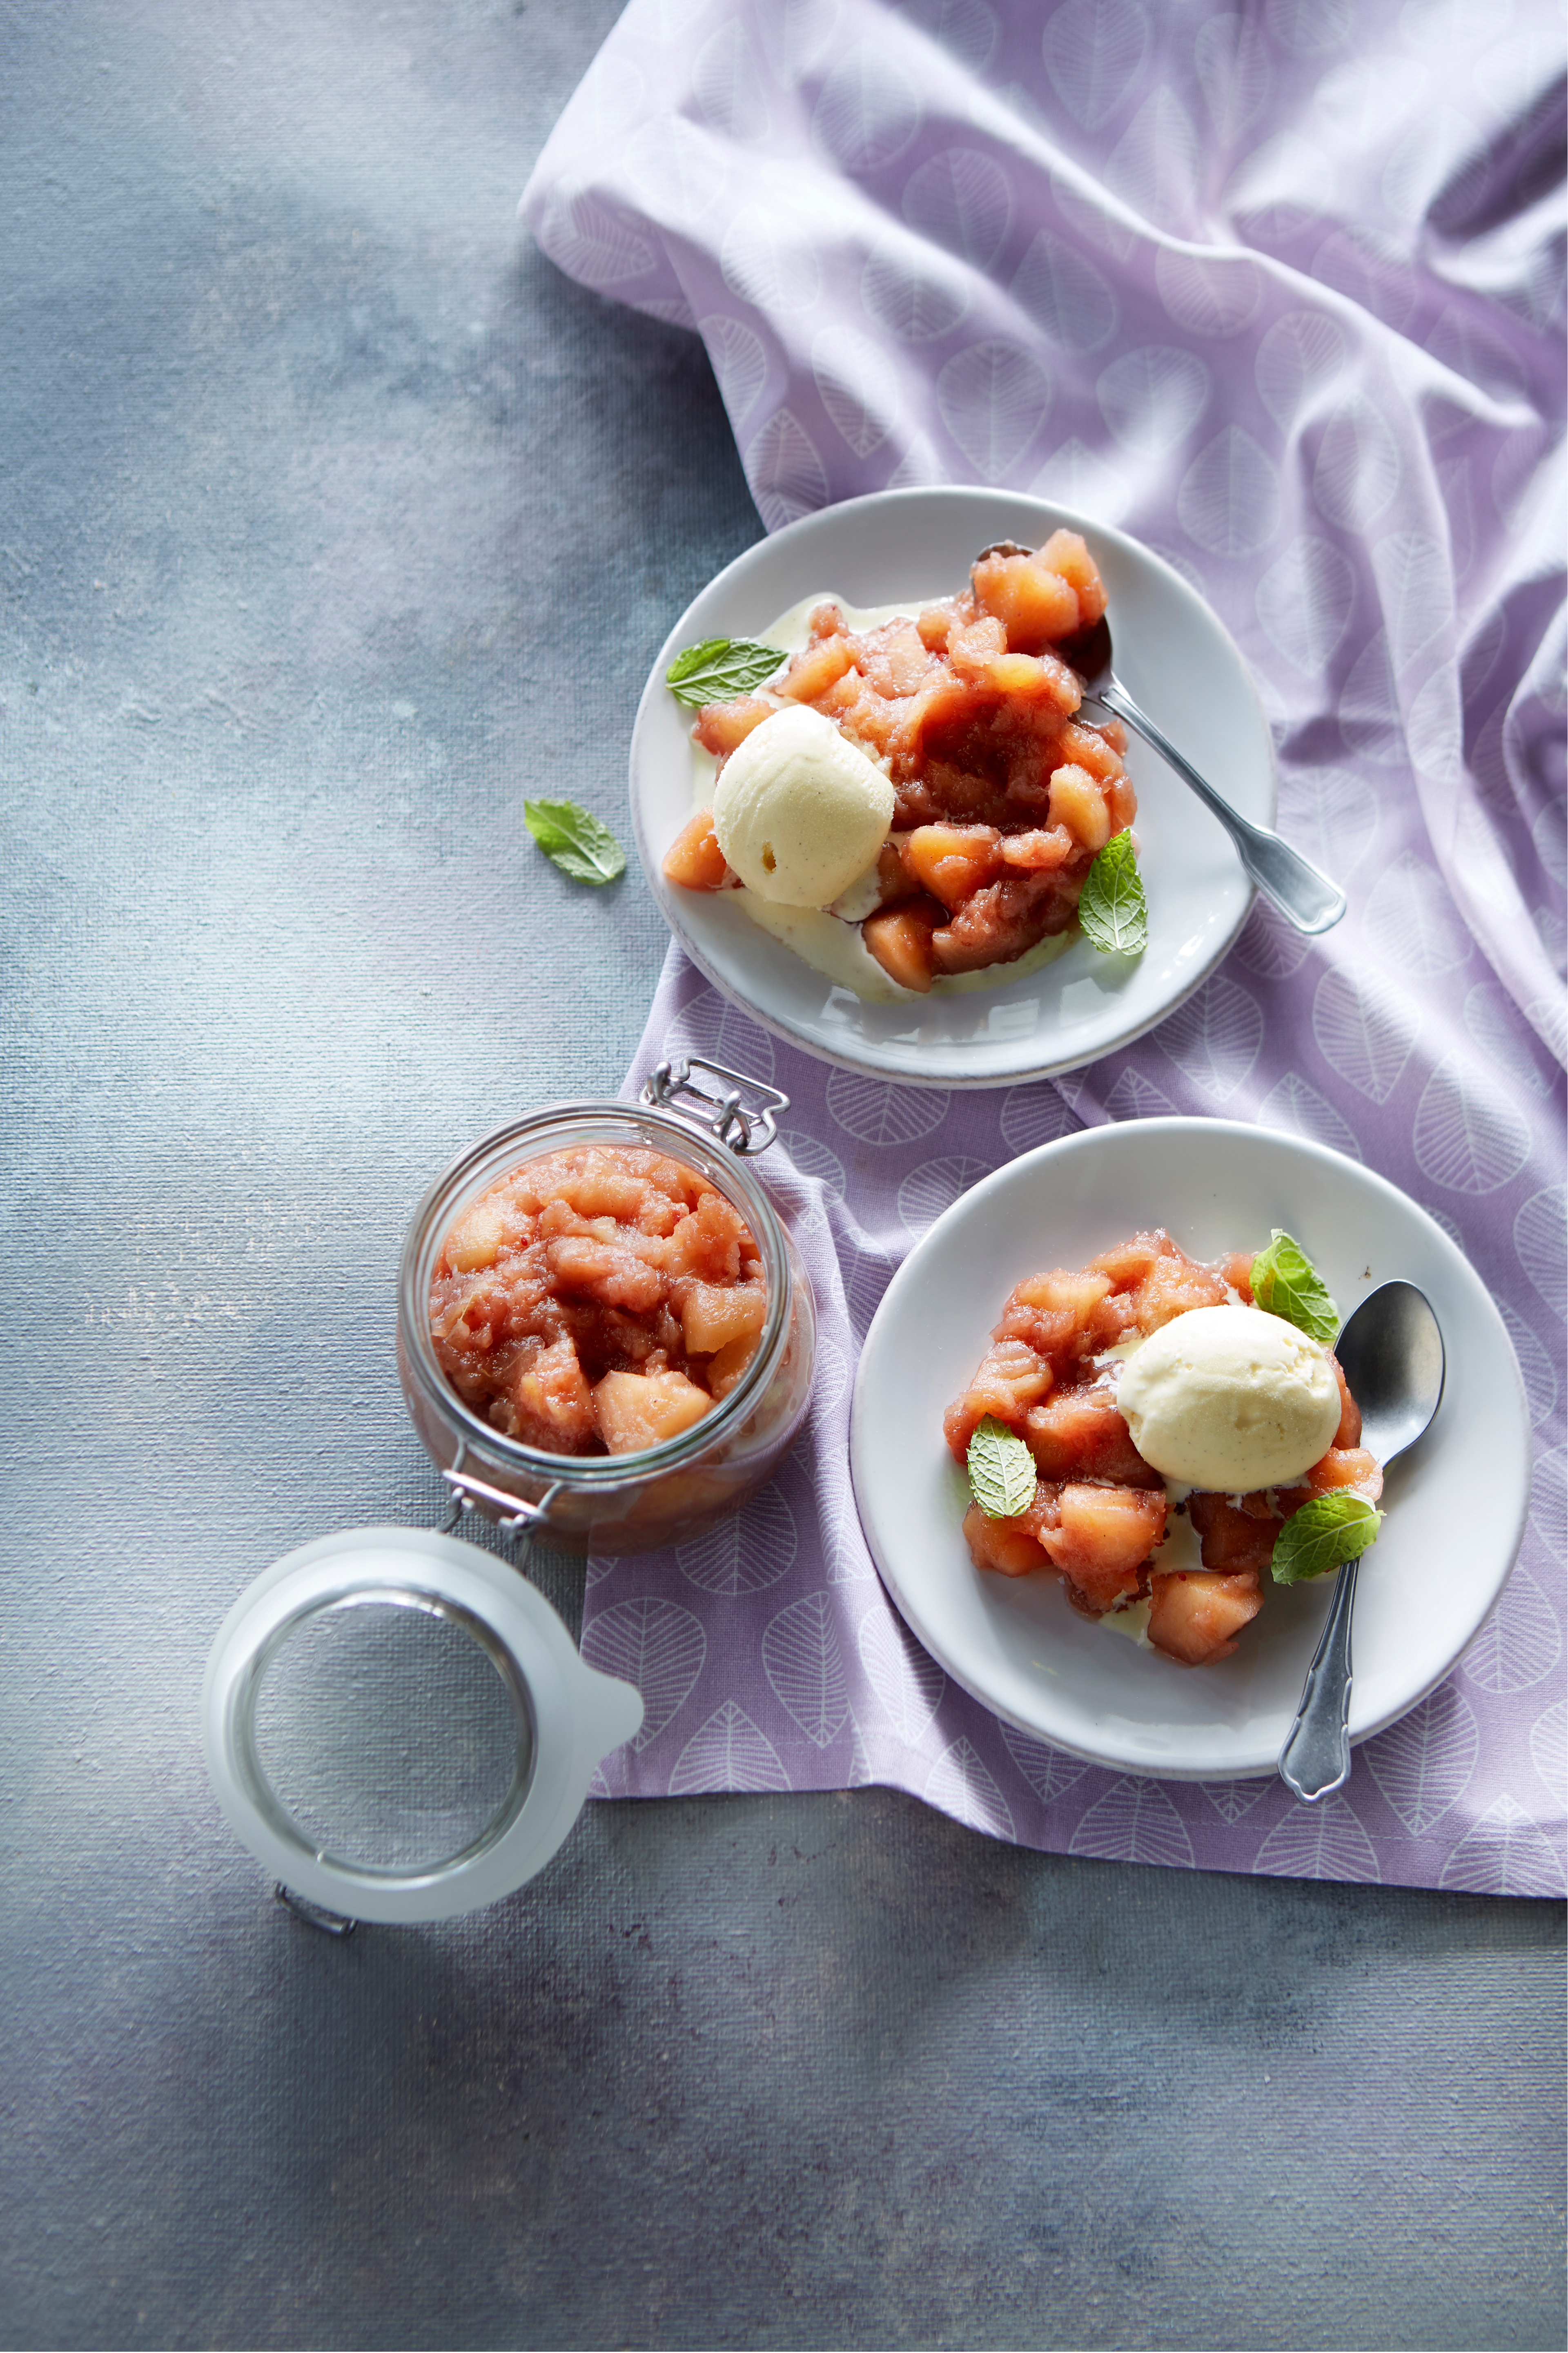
[(1230, 1397), (800, 811)]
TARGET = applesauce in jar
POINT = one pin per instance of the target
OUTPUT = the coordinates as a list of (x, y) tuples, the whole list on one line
[(604, 1329)]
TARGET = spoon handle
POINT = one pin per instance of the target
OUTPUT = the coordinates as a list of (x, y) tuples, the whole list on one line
[(1316, 1757), (1306, 898)]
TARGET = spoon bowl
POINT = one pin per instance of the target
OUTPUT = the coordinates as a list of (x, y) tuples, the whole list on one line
[(1390, 1352)]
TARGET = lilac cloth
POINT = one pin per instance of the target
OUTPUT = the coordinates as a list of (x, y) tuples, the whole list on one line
[(1291, 313)]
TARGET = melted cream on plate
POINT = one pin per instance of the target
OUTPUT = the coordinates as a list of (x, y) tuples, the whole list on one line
[(829, 939)]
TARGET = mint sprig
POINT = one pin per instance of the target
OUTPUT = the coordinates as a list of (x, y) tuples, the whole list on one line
[(720, 668), (1285, 1283), (1001, 1470), (1324, 1535), (1111, 907), (576, 840)]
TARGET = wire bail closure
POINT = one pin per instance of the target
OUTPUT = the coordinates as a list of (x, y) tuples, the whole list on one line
[(517, 1516), (745, 1127)]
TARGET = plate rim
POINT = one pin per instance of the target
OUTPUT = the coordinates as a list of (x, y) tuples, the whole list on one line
[(1218, 1130), (1023, 1072)]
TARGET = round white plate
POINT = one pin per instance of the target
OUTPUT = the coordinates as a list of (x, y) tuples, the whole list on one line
[(1177, 660), (1454, 1504)]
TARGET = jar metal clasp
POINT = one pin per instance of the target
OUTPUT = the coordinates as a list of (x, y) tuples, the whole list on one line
[(745, 1117), (517, 1516)]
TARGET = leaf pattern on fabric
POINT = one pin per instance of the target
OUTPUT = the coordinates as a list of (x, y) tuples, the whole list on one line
[(1424, 1763), (1232, 61), (882, 1115), (1549, 1750), (768, 260), (804, 1667), (1417, 599), (785, 472), (1305, 601), (1366, 1029), (1296, 1108), (962, 200), (1230, 498), (1135, 1097), (1505, 1854), (1370, 720), (746, 1553), (961, 1784), (675, 170), (1068, 298), (1234, 1800), (1134, 1822), (967, 28), (907, 1681), (1468, 1136), (655, 1645), (906, 293), (1072, 476), (1299, 359), (1270, 946), (993, 398), (1331, 815), (1213, 1038), (1540, 1241), (1549, 1501), (1489, 1018), (1094, 52), (870, 109), (1216, 298), (1412, 922), (795, 36), (1050, 1772), (1357, 467), (710, 1025), (858, 385), (1152, 398), (727, 82), (1034, 1115), (1327, 1840), (585, 238), (1520, 1643), (728, 1752), (739, 363), (1535, 1364), (934, 1187)]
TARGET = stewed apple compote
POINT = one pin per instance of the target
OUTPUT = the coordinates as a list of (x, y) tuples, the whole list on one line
[(1181, 1567), (597, 1301), (1003, 793)]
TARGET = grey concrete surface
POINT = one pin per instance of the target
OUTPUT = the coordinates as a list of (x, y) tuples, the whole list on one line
[(331, 521)]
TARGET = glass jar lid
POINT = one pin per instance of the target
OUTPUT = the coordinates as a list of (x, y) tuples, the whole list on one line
[(399, 1726)]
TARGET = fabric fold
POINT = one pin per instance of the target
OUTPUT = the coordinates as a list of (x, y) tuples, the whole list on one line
[(1292, 315)]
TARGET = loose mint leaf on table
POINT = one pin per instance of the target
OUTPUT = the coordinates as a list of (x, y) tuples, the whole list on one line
[(1111, 908), (720, 668), (1001, 1470), (576, 840), (1324, 1535), (1285, 1283)]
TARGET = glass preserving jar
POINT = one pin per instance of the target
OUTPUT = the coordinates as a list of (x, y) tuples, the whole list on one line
[(667, 1493)]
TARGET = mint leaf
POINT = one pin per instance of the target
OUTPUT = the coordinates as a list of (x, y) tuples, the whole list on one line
[(1001, 1470), (720, 668), (1324, 1535), (576, 840), (1111, 907), (1285, 1283)]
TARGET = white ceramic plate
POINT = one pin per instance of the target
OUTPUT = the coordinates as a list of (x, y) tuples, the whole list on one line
[(1177, 661), (1454, 1504)]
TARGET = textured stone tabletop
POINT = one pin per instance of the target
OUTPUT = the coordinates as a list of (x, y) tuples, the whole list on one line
[(333, 521)]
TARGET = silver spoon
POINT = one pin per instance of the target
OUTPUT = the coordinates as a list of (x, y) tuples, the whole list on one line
[(1307, 898), (1391, 1352)]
